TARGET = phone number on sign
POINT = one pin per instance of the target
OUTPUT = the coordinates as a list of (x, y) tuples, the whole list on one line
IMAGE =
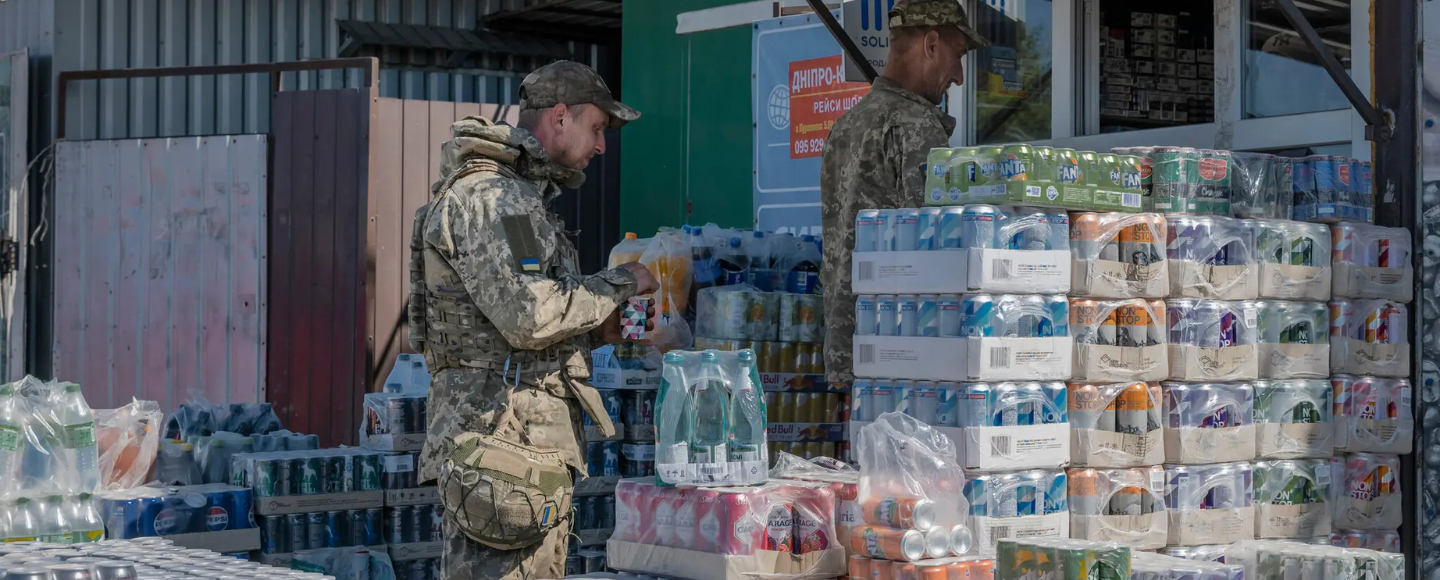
[(808, 145)]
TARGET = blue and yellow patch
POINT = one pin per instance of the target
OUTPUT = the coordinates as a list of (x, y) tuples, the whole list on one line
[(530, 264), (547, 514)]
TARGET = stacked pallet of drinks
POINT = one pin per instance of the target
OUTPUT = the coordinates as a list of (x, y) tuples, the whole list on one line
[(308, 500), (1064, 559), (396, 423), (606, 461)]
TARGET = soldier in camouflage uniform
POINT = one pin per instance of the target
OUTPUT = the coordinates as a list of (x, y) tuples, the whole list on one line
[(497, 301), (875, 154)]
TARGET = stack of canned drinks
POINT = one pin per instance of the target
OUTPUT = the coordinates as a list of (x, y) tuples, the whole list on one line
[(1119, 505), (964, 405), (1119, 340), (1294, 419), (1294, 341), (1211, 257), (743, 313), (394, 414), (1065, 177), (1004, 505), (595, 512), (1281, 560), (775, 357), (1372, 414), (138, 559), (285, 534), (969, 568), (1209, 423), (1148, 566), (1292, 498), (1119, 255), (954, 227), (1061, 559), (1116, 425), (1209, 504), (971, 315), (1262, 186), (817, 409), (1332, 188), (423, 569), (1372, 262), (408, 524), (1369, 337), (317, 472), (1291, 259), (1212, 340), (165, 511), (1184, 180)]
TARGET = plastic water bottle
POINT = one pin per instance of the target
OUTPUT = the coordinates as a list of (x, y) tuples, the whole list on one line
[(759, 253), (804, 275), (24, 524), (54, 522), (11, 434), (676, 412), (85, 520), (747, 412), (712, 423), (81, 452), (734, 264)]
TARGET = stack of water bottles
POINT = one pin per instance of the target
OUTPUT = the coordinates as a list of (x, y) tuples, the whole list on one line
[(710, 420), (49, 464)]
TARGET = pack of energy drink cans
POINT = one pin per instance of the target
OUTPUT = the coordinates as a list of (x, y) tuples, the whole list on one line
[(1119, 255), (1294, 339), (1116, 425), (1332, 188), (1291, 259), (1185, 180), (1022, 174), (955, 316), (1211, 257), (1208, 422), (957, 227), (1209, 504), (1378, 540), (1119, 340), (1294, 419), (741, 312), (1213, 340), (1369, 337), (1061, 559), (1022, 504), (1148, 566), (1372, 414), (1367, 491), (1119, 505), (1292, 498), (1372, 262), (1287, 560)]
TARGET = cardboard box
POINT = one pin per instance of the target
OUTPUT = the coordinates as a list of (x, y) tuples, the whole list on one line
[(962, 359), (1293, 361), (1394, 436), (1142, 19), (1140, 532), (1292, 521), (1294, 441), (1142, 51), (1016, 447), (692, 565), (1100, 448), (1111, 279), (805, 432), (1185, 71), (1142, 36), (1166, 37), (1352, 281), (415, 551), (1186, 55), (1212, 526), (1383, 512), (284, 560), (1196, 280), (1205, 55), (1226, 364), (1295, 282), (300, 504), (988, 531), (413, 496), (1195, 445), (960, 271), (1357, 357), (224, 541), (395, 442), (1144, 67), (1167, 21), (618, 378), (1098, 363)]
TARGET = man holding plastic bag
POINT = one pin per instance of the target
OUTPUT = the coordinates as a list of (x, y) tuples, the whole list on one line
[(507, 323)]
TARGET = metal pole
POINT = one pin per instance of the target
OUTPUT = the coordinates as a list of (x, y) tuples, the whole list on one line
[(846, 43), (1377, 127)]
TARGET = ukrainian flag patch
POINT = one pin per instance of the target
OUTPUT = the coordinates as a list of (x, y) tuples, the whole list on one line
[(530, 264)]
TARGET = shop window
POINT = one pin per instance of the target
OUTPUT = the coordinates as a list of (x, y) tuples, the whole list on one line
[(1157, 64), (1012, 75), (1283, 76)]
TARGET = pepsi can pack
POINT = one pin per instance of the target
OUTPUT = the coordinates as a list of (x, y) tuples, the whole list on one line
[(1292, 260), (1369, 337), (1372, 262), (1294, 339), (1119, 505), (1372, 414), (167, 511), (1292, 498), (1366, 491), (1117, 255), (1119, 340), (1212, 340), (1209, 504), (1294, 419), (1116, 425), (1208, 422), (1211, 257)]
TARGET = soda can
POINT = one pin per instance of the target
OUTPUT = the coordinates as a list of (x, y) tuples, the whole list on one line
[(1054, 486), (885, 222), (317, 536), (882, 543), (927, 315), (1059, 221), (1093, 322), (978, 227), (867, 321), (1137, 242), (1133, 323), (888, 315), (1009, 406), (923, 402), (947, 395), (1017, 494), (1323, 169), (1343, 313), (928, 229), (298, 531), (1023, 228), (950, 316), (906, 230), (973, 405), (1033, 318), (883, 397), (639, 407), (366, 468), (1086, 406), (1085, 234), (868, 228), (1137, 409), (273, 535), (372, 526), (907, 313), (978, 314), (951, 236), (1059, 307), (900, 394)]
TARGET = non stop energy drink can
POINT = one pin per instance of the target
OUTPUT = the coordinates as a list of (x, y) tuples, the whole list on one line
[(928, 229), (868, 229), (951, 235), (978, 226)]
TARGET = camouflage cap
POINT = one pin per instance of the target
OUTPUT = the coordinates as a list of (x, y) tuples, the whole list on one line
[(571, 83), (935, 13)]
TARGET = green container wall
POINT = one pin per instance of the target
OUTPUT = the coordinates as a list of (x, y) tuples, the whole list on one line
[(694, 143)]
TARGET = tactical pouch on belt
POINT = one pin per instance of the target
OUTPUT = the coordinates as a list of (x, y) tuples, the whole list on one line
[(502, 494)]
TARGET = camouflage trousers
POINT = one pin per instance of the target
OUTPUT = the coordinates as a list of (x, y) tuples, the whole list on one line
[(464, 559)]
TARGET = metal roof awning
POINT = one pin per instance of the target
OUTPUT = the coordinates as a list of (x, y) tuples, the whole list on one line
[(595, 21), (443, 49)]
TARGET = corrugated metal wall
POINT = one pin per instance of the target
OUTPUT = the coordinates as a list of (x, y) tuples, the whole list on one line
[(160, 269), (107, 34)]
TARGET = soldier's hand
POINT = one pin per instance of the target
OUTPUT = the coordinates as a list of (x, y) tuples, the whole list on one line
[(645, 282)]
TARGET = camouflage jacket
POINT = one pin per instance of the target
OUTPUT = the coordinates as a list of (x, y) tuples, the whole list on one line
[(497, 301), (874, 158)]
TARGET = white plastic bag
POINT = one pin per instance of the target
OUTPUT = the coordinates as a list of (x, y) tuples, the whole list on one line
[(129, 438), (911, 489)]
